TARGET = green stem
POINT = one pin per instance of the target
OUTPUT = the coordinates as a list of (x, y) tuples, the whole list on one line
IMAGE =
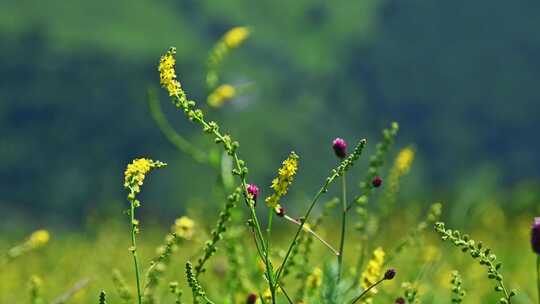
[(367, 290), (343, 224), (304, 220), (538, 275), (134, 252)]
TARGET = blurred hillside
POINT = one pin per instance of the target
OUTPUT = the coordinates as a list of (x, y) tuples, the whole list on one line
[(459, 77)]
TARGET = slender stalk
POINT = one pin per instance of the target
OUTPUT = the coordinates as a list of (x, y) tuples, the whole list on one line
[(359, 262), (134, 252), (313, 233), (304, 220), (538, 275), (367, 290), (343, 224), (286, 294)]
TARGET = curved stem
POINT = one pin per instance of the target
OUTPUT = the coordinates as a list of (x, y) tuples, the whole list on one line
[(165, 127), (343, 224), (134, 252)]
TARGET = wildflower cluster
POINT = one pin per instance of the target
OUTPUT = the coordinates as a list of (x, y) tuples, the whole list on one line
[(314, 279), (167, 74), (121, 286), (220, 95), (410, 292), (102, 297), (401, 166), (136, 172), (210, 247), (457, 290), (281, 183), (196, 288), (183, 227), (36, 240), (372, 179), (373, 273), (231, 39), (478, 252), (176, 291), (158, 267)]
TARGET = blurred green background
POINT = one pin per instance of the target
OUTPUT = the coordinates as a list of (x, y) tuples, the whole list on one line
[(460, 77)]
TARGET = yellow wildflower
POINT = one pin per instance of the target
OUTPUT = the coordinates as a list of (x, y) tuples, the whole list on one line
[(373, 273), (314, 279), (38, 238), (285, 177), (267, 295), (220, 95), (136, 172), (404, 160), (167, 74), (183, 227), (235, 36)]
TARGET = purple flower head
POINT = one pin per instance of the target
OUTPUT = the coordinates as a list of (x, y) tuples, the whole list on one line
[(400, 300), (377, 181), (390, 274), (252, 298), (535, 235), (340, 147), (253, 190)]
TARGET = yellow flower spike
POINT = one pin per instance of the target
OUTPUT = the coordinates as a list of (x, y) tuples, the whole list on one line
[(167, 74), (285, 177), (235, 36), (404, 160), (38, 238), (184, 227), (314, 279), (373, 273), (136, 172), (220, 95)]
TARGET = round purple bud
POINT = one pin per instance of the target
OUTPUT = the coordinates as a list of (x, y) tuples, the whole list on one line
[(252, 298), (280, 211), (535, 235), (377, 181), (400, 300), (390, 274), (253, 190), (340, 147)]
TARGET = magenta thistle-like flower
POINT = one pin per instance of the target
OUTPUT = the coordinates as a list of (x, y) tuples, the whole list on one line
[(535, 235), (400, 300), (340, 147), (377, 181), (253, 190)]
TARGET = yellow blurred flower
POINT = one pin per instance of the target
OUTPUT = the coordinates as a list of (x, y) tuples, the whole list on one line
[(235, 36), (404, 160), (183, 227), (373, 273), (167, 74), (38, 238), (314, 279), (285, 177), (220, 95)]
